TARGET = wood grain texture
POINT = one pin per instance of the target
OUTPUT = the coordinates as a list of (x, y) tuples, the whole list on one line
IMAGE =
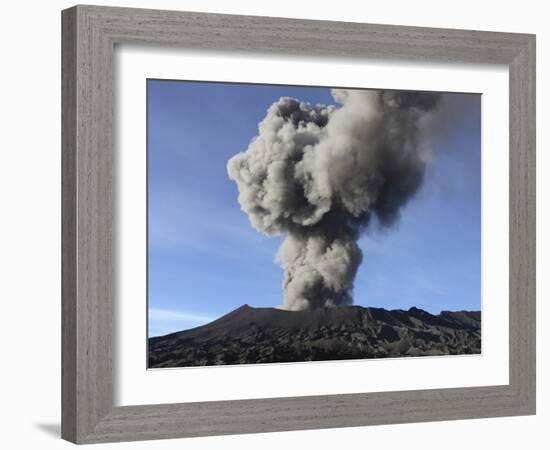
[(523, 224), (89, 36), (68, 226), (88, 190)]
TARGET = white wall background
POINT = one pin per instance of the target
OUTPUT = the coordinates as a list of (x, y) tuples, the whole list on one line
[(30, 223)]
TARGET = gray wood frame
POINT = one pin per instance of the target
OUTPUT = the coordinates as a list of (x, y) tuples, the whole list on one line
[(89, 36)]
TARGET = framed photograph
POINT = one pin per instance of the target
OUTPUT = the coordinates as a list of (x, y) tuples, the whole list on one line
[(268, 230)]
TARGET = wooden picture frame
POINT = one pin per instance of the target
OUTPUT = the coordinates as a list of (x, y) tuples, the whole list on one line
[(90, 34)]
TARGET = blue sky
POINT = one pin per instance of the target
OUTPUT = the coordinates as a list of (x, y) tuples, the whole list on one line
[(205, 259)]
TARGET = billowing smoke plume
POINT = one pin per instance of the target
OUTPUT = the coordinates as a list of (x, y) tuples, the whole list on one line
[(319, 174)]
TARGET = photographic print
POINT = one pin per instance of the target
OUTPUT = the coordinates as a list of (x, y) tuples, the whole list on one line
[(292, 224)]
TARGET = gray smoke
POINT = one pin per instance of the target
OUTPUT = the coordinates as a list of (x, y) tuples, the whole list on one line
[(320, 174)]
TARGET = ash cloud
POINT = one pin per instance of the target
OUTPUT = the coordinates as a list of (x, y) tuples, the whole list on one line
[(320, 174)]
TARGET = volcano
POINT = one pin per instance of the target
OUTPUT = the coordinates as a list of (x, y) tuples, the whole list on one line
[(251, 335)]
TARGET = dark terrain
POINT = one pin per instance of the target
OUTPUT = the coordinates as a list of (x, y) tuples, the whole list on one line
[(266, 335)]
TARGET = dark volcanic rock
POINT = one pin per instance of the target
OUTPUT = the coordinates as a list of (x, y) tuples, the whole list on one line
[(266, 335)]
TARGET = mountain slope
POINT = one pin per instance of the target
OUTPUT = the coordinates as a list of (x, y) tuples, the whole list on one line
[(261, 335)]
